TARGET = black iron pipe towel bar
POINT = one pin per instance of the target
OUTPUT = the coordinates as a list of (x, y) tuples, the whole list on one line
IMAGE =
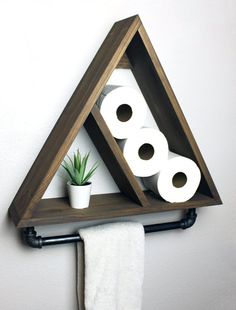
[(34, 241)]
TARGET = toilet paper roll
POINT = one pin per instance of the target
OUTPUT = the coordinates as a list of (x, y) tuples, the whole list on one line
[(145, 151), (123, 109), (177, 181)]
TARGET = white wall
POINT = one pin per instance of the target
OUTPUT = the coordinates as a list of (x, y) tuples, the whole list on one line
[(46, 47)]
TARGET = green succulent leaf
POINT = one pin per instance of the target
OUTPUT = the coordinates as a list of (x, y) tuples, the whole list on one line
[(69, 169), (70, 160), (76, 168), (78, 179), (90, 173), (84, 165)]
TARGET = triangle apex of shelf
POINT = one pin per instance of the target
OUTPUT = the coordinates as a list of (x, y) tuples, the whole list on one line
[(127, 40)]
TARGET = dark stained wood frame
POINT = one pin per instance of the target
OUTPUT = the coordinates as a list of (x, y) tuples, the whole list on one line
[(126, 46)]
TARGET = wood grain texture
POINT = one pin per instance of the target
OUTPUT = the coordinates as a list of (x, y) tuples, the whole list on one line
[(124, 63), (126, 37), (58, 210), (113, 157), (73, 116), (164, 106)]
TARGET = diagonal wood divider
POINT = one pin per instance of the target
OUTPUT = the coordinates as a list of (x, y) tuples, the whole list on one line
[(126, 46), (113, 157)]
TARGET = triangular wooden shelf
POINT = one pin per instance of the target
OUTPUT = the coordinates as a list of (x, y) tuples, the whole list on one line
[(126, 46)]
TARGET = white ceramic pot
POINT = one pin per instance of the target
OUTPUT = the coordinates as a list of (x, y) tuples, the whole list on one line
[(79, 196)]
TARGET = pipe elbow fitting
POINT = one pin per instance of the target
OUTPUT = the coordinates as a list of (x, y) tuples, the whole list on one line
[(31, 238), (189, 220)]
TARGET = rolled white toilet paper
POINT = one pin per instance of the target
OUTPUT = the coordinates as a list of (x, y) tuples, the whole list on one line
[(123, 109), (177, 181), (145, 151)]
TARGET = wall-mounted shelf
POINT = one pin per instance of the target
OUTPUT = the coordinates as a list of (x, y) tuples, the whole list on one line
[(126, 46), (58, 210)]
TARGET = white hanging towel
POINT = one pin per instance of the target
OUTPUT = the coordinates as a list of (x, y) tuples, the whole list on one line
[(114, 266)]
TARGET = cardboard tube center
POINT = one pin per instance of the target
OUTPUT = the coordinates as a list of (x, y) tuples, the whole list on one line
[(179, 179), (124, 112), (146, 151)]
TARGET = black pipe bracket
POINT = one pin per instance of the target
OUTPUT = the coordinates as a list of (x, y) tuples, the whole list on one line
[(31, 239)]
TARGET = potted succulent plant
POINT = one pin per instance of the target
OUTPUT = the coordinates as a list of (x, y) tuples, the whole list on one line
[(79, 186)]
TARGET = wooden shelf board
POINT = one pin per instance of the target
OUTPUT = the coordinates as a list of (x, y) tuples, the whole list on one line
[(58, 210), (113, 157), (126, 45)]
